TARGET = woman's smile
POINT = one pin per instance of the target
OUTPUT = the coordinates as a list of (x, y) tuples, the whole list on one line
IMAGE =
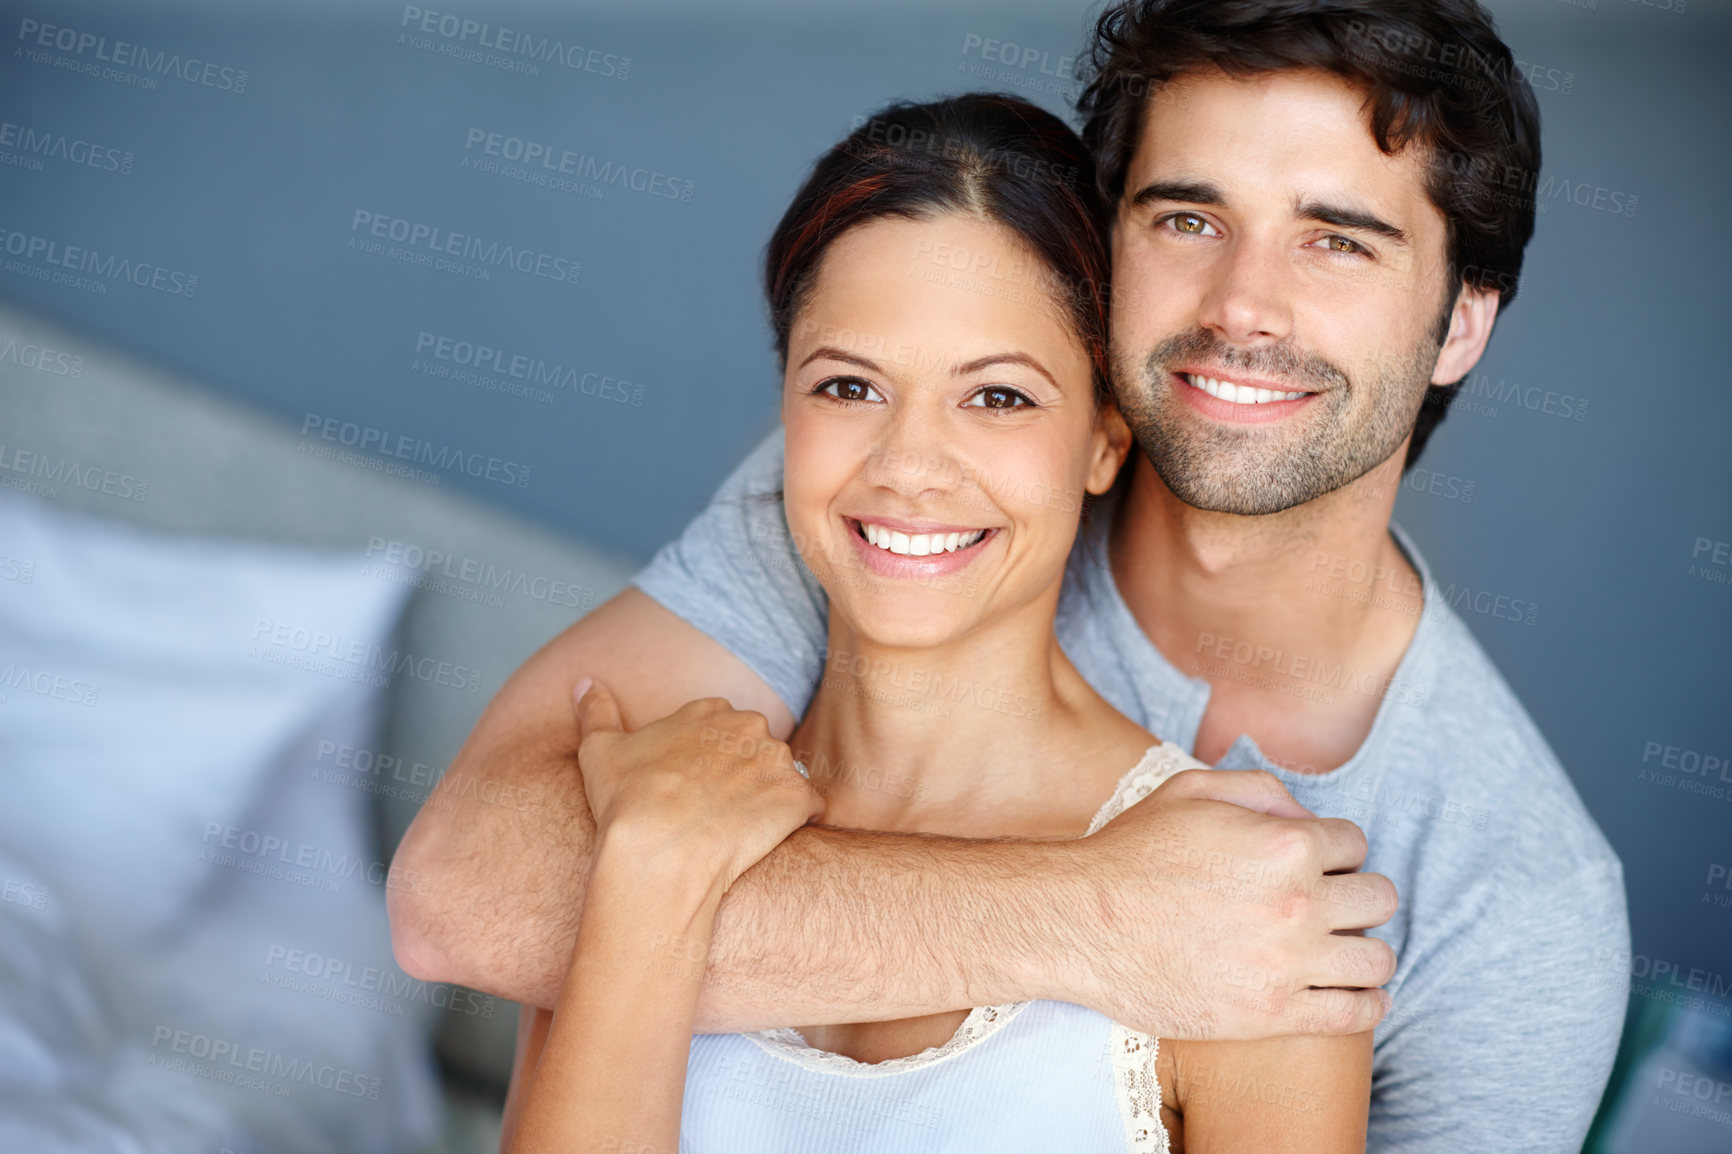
[(891, 547)]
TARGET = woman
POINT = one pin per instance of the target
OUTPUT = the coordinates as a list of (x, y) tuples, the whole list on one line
[(937, 293)]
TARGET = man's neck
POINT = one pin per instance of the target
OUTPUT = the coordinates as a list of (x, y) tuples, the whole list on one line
[(1296, 619)]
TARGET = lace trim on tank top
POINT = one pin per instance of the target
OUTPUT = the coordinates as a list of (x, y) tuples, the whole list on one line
[(1158, 764), (1136, 1081), (1136, 1078), (982, 1022)]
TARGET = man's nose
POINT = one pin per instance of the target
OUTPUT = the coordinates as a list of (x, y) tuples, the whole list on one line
[(1248, 299)]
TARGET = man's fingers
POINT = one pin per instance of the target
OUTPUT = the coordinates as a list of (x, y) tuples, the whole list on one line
[(1335, 1011), (1248, 788), (597, 711), (1356, 961), (1359, 901), (1344, 844)]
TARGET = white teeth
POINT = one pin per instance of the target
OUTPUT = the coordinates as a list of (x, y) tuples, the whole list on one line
[(1239, 394), (918, 544)]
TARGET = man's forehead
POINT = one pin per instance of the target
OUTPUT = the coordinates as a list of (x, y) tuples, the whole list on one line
[(1272, 132)]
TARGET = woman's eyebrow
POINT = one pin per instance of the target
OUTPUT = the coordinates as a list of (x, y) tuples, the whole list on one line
[(830, 352), (1023, 359)]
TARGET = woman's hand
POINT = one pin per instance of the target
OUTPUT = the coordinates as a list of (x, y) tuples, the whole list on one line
[(682, 807), (707, 783)]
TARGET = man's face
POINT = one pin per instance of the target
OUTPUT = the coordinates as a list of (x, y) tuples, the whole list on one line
[(1278, 282)]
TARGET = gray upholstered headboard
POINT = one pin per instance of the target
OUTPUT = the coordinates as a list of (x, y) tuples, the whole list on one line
[(162, 452)]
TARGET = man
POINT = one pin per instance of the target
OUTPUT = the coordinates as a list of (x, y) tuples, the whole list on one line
[(1315, 232)]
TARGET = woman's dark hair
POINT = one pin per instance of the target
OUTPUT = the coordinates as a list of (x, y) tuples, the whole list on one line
[(1435, 72), (996, 157)]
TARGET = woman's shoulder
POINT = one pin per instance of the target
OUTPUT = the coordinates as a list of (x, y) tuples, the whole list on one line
[(1155, 763)]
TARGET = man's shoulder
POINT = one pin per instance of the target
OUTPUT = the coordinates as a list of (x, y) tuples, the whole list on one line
[(736, 574), (1470, 736), (1500, 867)]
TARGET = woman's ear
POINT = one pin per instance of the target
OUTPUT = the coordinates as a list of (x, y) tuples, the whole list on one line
[(1109, 445)]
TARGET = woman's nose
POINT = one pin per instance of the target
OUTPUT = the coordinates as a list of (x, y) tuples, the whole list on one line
[(914, 457)]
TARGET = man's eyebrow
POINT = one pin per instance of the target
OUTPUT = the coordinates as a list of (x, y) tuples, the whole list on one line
[(830, 352), (1024, 359), (1182, 191), (1343, 217)]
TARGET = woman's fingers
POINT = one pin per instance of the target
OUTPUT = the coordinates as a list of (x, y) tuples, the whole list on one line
[(597, 711)]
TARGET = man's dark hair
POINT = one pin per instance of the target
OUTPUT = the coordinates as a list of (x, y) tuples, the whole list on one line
[(1435, 73)]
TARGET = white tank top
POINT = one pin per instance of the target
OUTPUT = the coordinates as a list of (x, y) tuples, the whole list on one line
[(1022, 1078)]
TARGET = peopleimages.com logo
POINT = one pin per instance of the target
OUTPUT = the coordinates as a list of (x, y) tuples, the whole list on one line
[(476, 41), (426, 244), (369, 439), (89, 53)]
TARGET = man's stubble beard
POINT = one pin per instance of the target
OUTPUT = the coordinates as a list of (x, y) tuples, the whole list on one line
[(1255, 469)]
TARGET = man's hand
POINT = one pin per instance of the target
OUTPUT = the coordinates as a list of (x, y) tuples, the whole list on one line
[(1231, 914)]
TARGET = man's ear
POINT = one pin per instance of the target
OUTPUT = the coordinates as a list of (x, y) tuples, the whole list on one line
[(1108, 447), (1470, 323)]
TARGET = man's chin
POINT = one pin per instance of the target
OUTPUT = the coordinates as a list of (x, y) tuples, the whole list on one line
[(1214, 496), (1246, 488)]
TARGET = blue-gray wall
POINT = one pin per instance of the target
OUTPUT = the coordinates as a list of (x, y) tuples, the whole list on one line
[(1602, 506)]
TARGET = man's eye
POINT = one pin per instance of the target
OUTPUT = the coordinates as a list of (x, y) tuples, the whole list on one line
[(999, 397), (1191, 224), (1342, 244), (848, 389)]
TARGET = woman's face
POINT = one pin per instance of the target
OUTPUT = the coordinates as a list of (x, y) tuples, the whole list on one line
[(941, 429)]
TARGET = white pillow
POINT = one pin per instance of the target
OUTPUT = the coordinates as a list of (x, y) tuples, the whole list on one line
[(164, 705), (151, 687)]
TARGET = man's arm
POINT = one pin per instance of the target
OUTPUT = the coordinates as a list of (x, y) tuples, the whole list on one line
[(1145, 921)]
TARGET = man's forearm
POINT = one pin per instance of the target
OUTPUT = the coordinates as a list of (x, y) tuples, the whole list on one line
[(853, 926), (832, 926), (490, 895)]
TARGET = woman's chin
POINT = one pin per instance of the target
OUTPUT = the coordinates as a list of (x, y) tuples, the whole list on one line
[(919, 620)]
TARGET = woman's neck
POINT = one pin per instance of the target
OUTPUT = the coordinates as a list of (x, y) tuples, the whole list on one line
[(955, 738)]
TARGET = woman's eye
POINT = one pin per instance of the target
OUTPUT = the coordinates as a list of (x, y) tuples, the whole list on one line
[(999, 397), (848, 389), (1191, 224)]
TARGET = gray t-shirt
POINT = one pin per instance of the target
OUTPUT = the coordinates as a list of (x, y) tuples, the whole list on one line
[(1508, 996)]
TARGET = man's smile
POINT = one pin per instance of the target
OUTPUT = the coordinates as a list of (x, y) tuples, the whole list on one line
[(1240, 394), (1238, 398)]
